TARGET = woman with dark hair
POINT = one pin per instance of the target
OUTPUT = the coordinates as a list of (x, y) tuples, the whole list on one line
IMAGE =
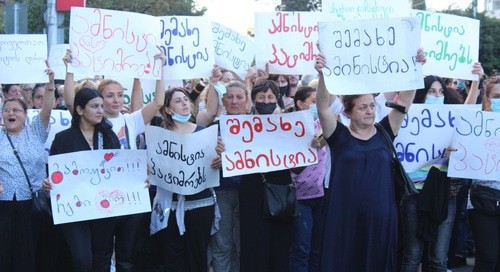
[(87, 240), (485, 227), (414, 234), (17, 224), (265, 243), (285, 100), (182, 223), (360, 214), (308, 181)]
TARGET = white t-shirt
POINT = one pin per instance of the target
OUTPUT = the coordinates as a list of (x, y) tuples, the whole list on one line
[(135, 126)]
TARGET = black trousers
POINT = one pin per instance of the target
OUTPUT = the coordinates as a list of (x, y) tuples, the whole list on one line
[(16, 237), (88, 242), (265, 244), (186, 253), (126, 234), (486, 233)]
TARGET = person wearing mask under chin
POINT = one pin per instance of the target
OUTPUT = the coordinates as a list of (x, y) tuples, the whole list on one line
[(308, 182)]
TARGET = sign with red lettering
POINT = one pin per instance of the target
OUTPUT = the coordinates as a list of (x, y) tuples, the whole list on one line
[(287, 41), (180, 163), (451, 44), (114, 43), (477, 140), (371, 56), (98, 184), (264, 143), (187, 44)]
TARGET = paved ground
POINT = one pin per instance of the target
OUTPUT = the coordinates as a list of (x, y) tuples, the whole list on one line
[(468, 268)]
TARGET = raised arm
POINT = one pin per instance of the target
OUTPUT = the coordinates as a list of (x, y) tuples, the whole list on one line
[(49, 97), (477, 69), (150, 110), (327, 119), (207, 116), (396, 117), (69, 83), (136, 96)]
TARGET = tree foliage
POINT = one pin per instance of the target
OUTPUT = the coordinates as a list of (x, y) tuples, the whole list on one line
[(300, 5), (151, 7)]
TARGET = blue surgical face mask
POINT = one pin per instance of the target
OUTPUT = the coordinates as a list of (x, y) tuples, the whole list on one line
[(495, 104), (461, 85), (314, 110), (181, 118), (430, 99)]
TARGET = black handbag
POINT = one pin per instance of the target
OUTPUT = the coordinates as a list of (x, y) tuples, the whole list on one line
[(485, 199), (280, 201), (40, 199), (403, 185)]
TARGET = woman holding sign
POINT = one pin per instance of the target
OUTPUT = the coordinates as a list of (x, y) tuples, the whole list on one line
[(485, 224), (360, 215), (126, 127), (182, 224), (265, 243), (17, 225), (87, 240), (418, 232)]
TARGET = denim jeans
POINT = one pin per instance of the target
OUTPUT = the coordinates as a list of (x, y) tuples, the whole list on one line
[(225, 244), (414, 246), (306, 235)]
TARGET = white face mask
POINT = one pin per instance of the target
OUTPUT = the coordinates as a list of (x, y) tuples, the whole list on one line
[(431, 99)]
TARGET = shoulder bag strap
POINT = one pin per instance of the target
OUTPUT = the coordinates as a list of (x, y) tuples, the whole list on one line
[(387, 139), (20, 162)]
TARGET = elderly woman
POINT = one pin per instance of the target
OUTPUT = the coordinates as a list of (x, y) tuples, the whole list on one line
[(27, 139), (360, 215)]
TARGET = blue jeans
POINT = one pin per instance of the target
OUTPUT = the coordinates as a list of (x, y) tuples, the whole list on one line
[(414, 246), (306, 235), (225, 244)]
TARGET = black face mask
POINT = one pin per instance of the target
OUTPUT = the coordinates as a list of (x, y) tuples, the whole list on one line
[(284, 90), (265, 108)]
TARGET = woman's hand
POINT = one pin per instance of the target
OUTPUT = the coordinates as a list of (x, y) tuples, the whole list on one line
[(147, 183), (51, 75), (1, 187), (216, 75), (220, 147), (216, 163), (320, 63), (421, 56), (448, 150), (477, 69), (67, 58), (160, 55), (46, 185)]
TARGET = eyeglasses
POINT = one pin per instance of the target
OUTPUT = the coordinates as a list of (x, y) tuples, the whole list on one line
[(14, 110)]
